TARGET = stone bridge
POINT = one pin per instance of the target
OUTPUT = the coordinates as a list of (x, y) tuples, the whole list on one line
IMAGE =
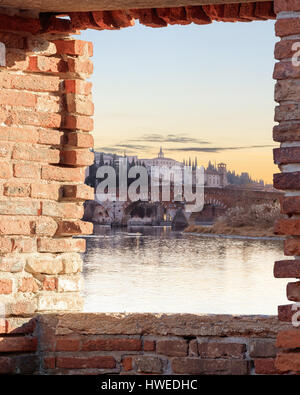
[(216, 202)]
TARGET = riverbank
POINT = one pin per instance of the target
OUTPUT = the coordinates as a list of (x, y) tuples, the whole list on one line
[(222, 230)]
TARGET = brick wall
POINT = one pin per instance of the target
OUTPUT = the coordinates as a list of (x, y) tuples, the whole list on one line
[(78, 343), (45, 120), (287, 157)]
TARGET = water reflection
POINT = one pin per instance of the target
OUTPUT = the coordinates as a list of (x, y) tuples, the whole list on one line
[(157, 270)]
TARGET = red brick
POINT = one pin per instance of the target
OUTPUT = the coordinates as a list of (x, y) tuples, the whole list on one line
[(73, 47), (81, 140), (262, 348), (62, 210), (61, 245), (112, 344), (5, 245), (292, 246), (45, 191), (287, 112), (66, 343), (78, 87), (18, 344), (12, 98), (287, 269), (50, 137), (79, 157), (78, 192), (96, 362), (36, 83), (16, 23), (28, 284), (5, 286), (283, 49), (11, 40), (79, 122), (209, 366), (38, 154), (285, 312), (15, 226), (286, 132), (25, 170), (149, 345), (56, 173), (287, 227), (172, 348), (78, 104), (22, 309), (23, 244), (265, 366), (286, 155), (287, 27), (26, 135), (50, 284), (127, 363), (290, 205), (221, 350), (16, 189), (47, 64), (67, 228), (33, 118), (288, 362), (293, 291), (80, 66), (288, 339), (285, 70), (49, 362), (286, 5), (287, 180)]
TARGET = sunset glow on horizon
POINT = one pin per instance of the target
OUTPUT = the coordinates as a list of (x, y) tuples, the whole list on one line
[(197, 91)]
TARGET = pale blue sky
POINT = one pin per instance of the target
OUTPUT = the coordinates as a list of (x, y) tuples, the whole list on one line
[(210, 86)]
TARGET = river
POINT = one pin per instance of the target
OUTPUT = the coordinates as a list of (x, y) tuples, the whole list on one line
[(157, 270)]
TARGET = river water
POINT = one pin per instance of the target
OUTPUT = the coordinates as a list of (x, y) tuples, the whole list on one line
[(157, 270)]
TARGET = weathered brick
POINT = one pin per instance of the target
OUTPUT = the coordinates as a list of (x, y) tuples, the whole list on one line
[(5, 170), (26, 135), (56, 173), (28, 284), (50, 283), (145, 364), (79, 104), (293, 291), (292, 246), (111, 344), (15, 226), (62, 210), (26, 170), (285, 70), (44, 264), (262, 348), (286, 312), (47, 64), (288, 362), (80, 157), (149, 345), (50, 137), (44, 226), (221, 350), (40, 46), (286, 5), (287, 269), (16, 189), (19, 207), (32, 118), (36, 83), (61, 245), (172, 348), (127, 363), (11, 40), (80, 66), (287, 27), (21, 308), (287, 227), (77, 192), (209, 366), (45, 191), (66, 228), (78, 87), (287, 180), (67, 343), (37, 154), (265, 366), (13, 98), (286, 155), (69, 283), (59, 302), (287, 112), (18, 344), (290, 205), (79, 122), (5, 287), (74, 47), (288, 339), (81, 140), (7, 365), (76, 362), (284, 49)]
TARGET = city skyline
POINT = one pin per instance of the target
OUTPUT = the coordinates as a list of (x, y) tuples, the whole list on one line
[(196, 90)]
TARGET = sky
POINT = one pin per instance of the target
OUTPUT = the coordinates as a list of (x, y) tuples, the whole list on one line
[(204, 91)]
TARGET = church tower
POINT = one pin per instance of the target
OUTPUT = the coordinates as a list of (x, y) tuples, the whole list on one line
[(160, 154)]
